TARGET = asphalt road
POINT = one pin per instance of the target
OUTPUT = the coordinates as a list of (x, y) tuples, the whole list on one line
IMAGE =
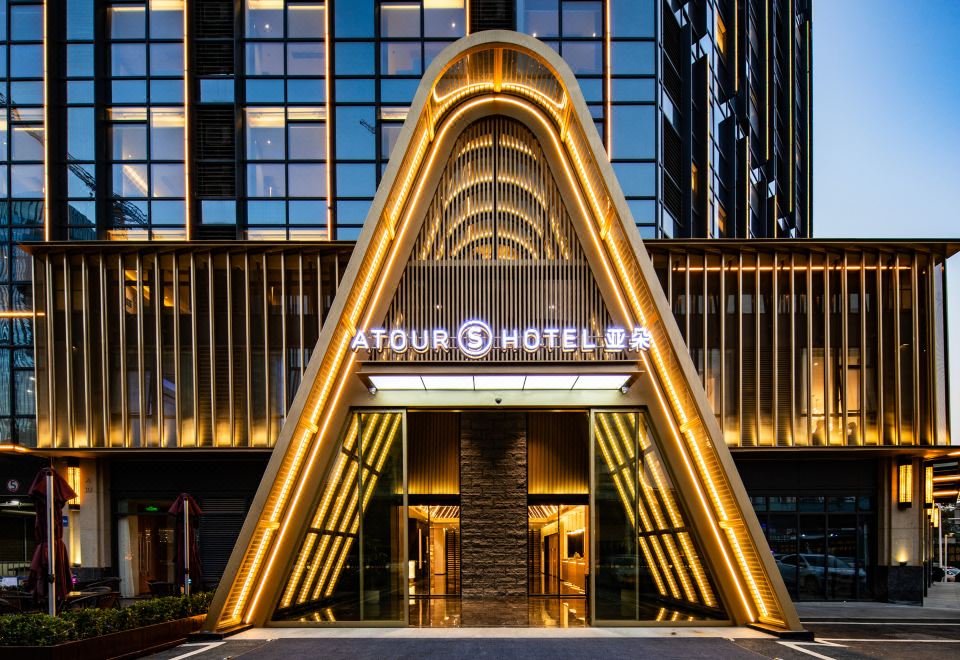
[(834, 641)]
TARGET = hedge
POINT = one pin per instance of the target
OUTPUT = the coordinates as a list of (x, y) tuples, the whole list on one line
[(46, 630)]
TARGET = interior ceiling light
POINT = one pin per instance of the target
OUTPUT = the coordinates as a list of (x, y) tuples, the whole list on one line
[(500, 382)]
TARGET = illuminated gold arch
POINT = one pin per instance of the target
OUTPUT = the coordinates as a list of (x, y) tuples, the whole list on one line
[(501, 73)]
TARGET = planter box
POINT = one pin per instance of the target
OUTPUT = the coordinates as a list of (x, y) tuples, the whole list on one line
[(125, 644)]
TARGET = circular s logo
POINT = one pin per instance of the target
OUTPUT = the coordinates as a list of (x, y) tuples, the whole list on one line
[(475, 339)]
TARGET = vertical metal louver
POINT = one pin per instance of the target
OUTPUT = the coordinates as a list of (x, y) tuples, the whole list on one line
[(497, 241)]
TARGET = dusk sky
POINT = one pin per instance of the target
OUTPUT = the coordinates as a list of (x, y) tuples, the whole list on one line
[(886, 92)]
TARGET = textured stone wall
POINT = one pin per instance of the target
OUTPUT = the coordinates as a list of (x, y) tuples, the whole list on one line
[(493, 504)]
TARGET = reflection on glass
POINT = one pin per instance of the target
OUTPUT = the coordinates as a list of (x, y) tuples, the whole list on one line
[(305, 20), (648, 564), (350, 564), (305, 59), (444, 19), (264, 59), (128, 60), (307, 141), (265, 134), (167, 180), (127, 22), (307, 180), (539, 18), (266, 180), (399, 20), (400, 58), (582, 19), (584, 57), (129, 141)]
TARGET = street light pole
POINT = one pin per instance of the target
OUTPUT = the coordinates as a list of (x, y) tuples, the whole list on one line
[(940, 541)]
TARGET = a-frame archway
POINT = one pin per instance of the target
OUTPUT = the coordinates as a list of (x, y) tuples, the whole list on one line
[(503, 74)]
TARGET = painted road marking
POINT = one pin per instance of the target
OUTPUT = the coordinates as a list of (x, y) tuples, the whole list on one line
[(204, 646)]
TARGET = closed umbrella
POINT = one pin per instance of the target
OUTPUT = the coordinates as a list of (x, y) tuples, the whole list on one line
[(49, 492), (187, 513)]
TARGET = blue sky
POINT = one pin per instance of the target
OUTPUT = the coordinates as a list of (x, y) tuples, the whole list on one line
[(886, 90)]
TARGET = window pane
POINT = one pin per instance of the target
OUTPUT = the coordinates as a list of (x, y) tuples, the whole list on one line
[(356, 180), (582, 19), (632, 58), (355, 59), (79, 19), (636, 179), (265, 90), (444, 19), (26, 61), (398, 90), (80, 60), (127, 22), (355, 133), (305, 21), (401, 20), (265, 134), (130, 180), (166, 134), (264, 23), (266, 181), (265, 59), (129, 141), (26, 23), (26, 93), (305, 59), (389, 132), (167, 180), (27, 143), (308, 213), (168, 213), (583, 57), (80, 91), (633, 89), (538, 17), (129, 91), (166, 91), (81, 138), (128, 60), (401, 59), (633, 131), (358, 22), (78, 187), (306, 90), (307, 141), (166, 59), (631, 18), (266, 213), (166, 20), (307, 180)]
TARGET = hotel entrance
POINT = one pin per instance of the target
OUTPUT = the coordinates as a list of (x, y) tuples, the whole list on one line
[(497, 531)]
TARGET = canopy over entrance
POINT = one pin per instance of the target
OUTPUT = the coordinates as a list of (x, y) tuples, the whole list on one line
[(500, 246)]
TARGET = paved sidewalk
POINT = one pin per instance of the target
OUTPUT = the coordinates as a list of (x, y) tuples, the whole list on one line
[(941, 604)]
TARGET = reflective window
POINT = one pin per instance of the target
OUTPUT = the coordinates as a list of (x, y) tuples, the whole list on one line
[(166, 59), (445, 19), (266, 180), (265, 59), (306, 20), (127, 22), (354, 58), (26, 61), (633, 131), (129, 141), (305, 59), (632, 57), (400, 58), (399, 20), (307, 141), (265, 134), (358, 22), (539, 18), (306, 180), (631, 18), (355, 133), (128, 60), (583, 57), (582, 19)]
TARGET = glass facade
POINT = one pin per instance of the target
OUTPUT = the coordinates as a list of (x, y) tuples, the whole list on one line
[(825, 545)]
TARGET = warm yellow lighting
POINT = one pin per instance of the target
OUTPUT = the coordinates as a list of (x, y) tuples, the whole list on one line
[(6, 446), (935, 516), (905, 484), (945, 493), (166, 5), (443, 4), (928, 484), (127, 114), (721, 34), (73, 478)]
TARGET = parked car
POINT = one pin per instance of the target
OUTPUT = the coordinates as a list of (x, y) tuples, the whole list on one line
[(807, 571), (952, 573)]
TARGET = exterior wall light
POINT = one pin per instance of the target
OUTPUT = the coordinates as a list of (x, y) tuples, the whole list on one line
[(73, 478), (905, 484), (928, 486)]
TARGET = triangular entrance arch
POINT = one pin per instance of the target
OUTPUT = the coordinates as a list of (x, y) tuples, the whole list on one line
[(502, 74)]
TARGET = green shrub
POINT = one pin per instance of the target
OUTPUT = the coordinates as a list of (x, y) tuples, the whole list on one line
[(44, 630)]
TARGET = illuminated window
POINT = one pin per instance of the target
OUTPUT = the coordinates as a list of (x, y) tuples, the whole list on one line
[(721, 35)]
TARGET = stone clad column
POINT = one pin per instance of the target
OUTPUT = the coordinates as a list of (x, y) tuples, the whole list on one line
[(493, 504)]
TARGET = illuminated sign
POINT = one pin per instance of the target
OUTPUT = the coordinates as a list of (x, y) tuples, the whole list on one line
[(475, 339)]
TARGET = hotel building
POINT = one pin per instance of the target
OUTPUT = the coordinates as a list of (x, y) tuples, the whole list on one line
[(440, 324)]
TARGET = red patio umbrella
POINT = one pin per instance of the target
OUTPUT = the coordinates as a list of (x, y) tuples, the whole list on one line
[(188, 513), (40, 567)]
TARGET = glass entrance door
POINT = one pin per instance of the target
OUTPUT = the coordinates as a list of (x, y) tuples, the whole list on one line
[(433, 536)]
